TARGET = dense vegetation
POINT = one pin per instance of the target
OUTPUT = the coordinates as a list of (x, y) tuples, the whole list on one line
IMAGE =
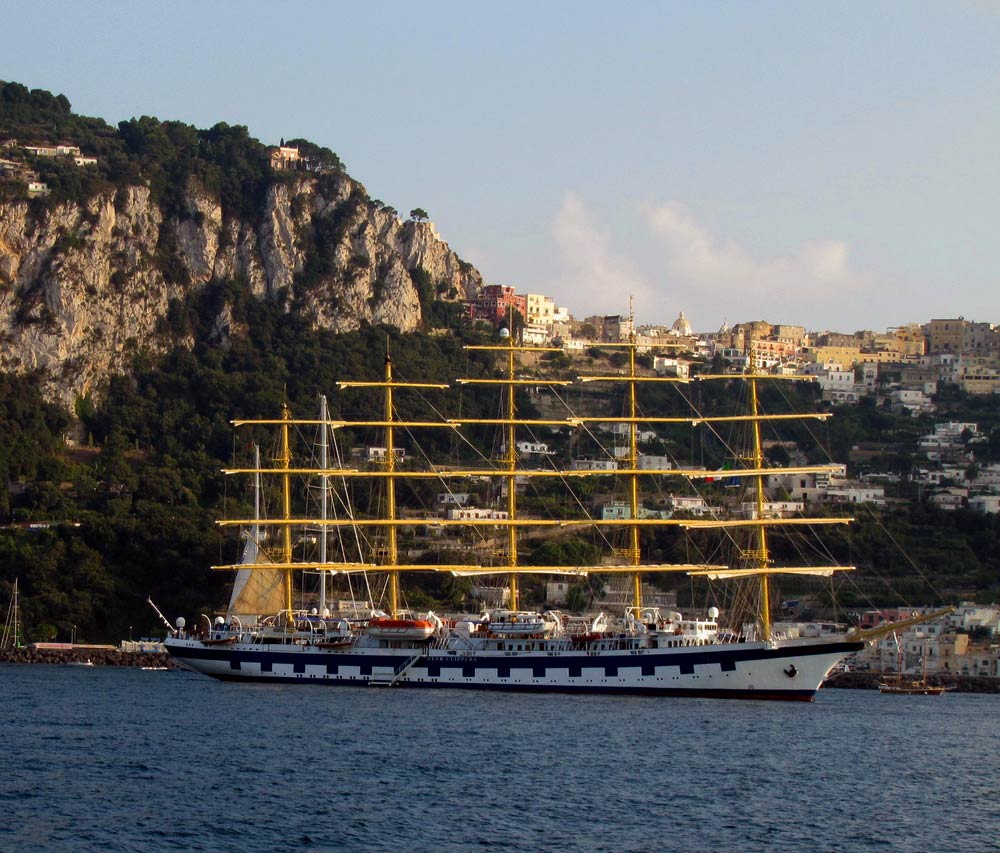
[(165, 155)]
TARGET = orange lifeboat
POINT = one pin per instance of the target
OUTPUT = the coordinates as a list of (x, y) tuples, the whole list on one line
[(386, 628)]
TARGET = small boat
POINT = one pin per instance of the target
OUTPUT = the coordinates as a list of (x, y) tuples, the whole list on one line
[(155, 668), (387, 628), (87, 662), (521, 623), (914, 688), (12, 636), (910, 686)]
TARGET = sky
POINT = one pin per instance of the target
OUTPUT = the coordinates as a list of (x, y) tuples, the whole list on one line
[(833, 165)]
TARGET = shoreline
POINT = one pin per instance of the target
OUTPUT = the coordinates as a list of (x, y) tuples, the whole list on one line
[(98, 657), (871, 681)]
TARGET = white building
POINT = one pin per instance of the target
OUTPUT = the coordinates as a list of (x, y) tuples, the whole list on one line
[(772, 509), (535, 335), (541, 310), (688, 503), (533, 448), (618, 510), (381, 454), (913, 401), (593, 465), (950, 498), (856, 493), (643, 436), (667, 366), (477, 514), (453, 498), (985, 503), (649, 462)]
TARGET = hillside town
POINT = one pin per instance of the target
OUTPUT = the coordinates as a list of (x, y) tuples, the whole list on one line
[(900, 370), (16, 163), (901, 366)]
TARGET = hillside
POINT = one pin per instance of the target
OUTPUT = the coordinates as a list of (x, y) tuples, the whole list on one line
[(182, 280), (92, 273)]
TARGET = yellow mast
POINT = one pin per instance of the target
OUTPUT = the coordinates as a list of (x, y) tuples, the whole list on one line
[(633, 461), (511, 460), (761, 556), (757, 562), (390, 487), (389, 422), (284, 461), (510, 422)]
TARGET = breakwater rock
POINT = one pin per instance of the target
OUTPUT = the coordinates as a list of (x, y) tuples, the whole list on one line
[(871, 681), (98, 657)]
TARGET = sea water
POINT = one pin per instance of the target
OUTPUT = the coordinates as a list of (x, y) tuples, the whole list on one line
[(123, 759)]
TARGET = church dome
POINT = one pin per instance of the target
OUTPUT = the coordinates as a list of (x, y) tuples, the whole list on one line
[(681, 325)]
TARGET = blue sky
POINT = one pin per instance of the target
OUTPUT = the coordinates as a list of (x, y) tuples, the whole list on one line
[(830, 164)]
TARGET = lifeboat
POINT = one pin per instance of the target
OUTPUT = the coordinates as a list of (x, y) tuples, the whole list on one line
[(507, 623), (386, 628)]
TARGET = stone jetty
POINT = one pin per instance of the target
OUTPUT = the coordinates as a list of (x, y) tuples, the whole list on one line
[(871, 681), (98, 657)]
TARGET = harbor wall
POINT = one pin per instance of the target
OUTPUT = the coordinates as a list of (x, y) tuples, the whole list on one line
[(871, 681), (98, 657)]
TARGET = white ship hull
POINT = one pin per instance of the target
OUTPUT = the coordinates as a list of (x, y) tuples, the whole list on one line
[(788, 669)]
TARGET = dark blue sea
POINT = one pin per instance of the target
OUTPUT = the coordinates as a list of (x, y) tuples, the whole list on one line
[(122, 759)]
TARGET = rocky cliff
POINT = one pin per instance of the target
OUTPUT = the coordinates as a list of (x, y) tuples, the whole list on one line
[(84, 286)]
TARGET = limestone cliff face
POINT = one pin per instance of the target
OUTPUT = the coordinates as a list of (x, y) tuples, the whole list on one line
[(83, 287)]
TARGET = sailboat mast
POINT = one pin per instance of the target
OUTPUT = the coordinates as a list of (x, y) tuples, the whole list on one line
[(390, 486), (11, 625), (761, 555), (511, 459), (324, 493), (633, 464), (255, 530), (284, 461)]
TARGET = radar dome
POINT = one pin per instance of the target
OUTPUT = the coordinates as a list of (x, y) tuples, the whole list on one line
[(505, 333), (180, 623), (713, 612)]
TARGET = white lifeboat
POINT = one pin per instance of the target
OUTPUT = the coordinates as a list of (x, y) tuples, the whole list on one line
[(520, 623)]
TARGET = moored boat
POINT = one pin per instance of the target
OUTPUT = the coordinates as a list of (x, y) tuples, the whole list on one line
[(387, 628), (913, 688)]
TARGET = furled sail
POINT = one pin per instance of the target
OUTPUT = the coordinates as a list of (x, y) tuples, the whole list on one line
[(257, 591)]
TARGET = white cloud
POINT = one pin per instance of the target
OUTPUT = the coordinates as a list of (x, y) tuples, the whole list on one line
[(478, 257), (593, 279), (696, 271), (723, 271)]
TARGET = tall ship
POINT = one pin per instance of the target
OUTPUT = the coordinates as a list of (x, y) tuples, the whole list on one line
[(354, 519)]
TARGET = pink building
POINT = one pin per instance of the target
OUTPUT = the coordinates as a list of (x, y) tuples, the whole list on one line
[(495, 302)]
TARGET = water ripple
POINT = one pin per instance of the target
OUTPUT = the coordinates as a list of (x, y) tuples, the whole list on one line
[(114, 759)]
